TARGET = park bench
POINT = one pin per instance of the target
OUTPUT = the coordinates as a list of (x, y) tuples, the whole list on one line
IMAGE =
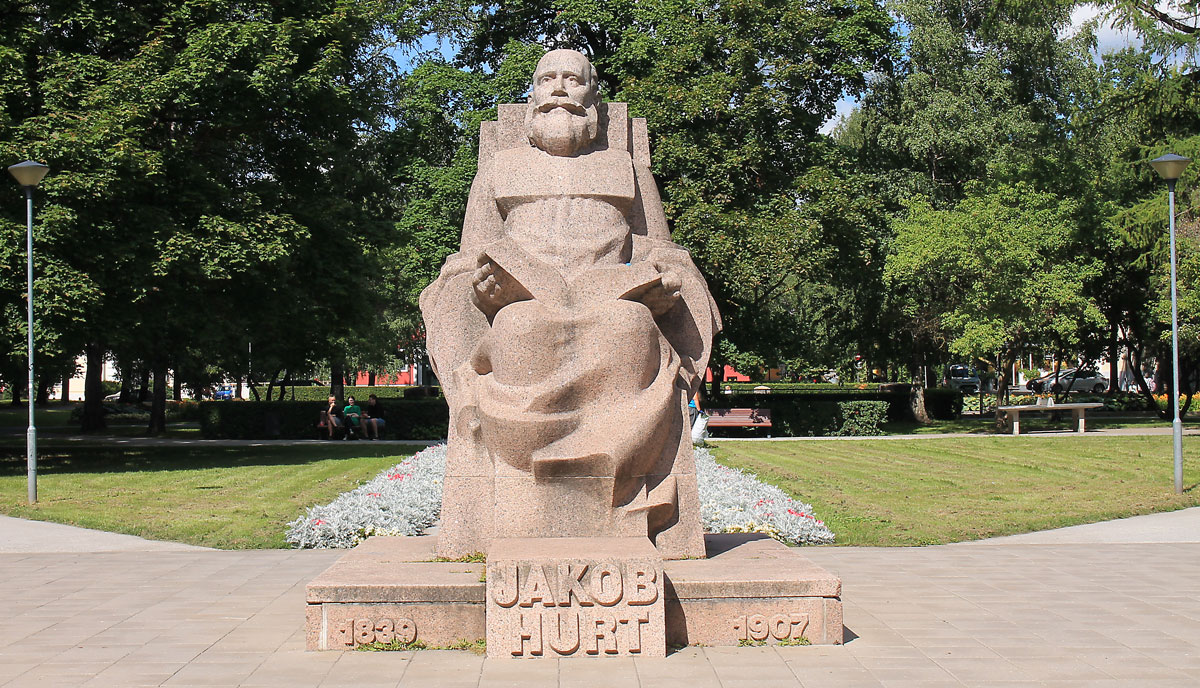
[(1077, 410), (322, 432), (739, 418)]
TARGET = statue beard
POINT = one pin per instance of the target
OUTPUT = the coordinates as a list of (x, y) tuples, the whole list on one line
[(559, 130)]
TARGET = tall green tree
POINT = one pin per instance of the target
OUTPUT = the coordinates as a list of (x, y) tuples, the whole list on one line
[(735, 94), (214, 181)]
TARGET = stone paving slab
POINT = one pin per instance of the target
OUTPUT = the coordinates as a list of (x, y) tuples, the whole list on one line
[(979, 614), (21, 535)]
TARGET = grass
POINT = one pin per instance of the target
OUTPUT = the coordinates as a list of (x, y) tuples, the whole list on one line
[(986, 425), (228, 497), (53, 415), (921, 492)]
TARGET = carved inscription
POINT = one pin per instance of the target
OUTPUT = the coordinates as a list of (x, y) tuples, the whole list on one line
[(366, 631), (575, 607), (777, 626)]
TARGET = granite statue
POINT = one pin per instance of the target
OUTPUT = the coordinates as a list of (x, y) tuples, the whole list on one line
[(568, 332)]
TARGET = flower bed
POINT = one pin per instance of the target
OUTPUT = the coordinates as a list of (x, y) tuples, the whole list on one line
[(403, 500), (406, 499), (734, 501)]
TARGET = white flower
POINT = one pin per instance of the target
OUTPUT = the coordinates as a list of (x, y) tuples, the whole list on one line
[(406, 499)]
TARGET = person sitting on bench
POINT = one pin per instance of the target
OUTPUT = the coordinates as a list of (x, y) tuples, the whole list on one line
[(353, 416), (332, 417), (372, 419)]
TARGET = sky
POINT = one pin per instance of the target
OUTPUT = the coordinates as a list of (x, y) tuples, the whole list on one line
[(1108, 39)]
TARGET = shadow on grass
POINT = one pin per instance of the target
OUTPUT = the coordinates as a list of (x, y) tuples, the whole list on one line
[(117, 459)]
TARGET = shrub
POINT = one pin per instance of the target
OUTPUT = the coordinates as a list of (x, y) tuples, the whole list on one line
[(814, 413), (801, 387), (408, 419), (321, 393), (862, 418)]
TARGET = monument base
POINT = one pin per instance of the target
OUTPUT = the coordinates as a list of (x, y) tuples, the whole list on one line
[(750, 589)]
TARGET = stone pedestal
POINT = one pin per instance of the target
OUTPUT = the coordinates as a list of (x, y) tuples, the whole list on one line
[(750, 589), (389, 588), (566, 597)]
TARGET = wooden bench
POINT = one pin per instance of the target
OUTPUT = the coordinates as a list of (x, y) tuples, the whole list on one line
[(739, 418), (1077, 410)]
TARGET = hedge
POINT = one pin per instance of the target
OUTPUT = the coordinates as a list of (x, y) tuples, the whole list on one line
[(360, 393), (789, 387), (407, 419), (818, 413), (795, 414)]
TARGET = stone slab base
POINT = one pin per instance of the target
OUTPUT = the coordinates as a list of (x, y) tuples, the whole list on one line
[(569, 597), (750, 589)]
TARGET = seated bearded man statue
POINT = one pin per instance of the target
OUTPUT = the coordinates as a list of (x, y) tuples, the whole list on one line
[(568, 333)]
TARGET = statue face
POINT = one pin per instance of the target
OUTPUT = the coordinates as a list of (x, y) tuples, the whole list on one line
[(563, 116)]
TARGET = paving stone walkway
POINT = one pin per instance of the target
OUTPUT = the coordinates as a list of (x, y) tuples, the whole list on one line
[(1072, 607)]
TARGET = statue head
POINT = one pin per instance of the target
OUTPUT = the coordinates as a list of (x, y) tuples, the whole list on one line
[(564, 109)]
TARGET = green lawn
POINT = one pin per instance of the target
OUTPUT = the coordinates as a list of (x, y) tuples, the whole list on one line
[(1029, 423), (870, 492), (227, 497), (917, 492), (53, 415)]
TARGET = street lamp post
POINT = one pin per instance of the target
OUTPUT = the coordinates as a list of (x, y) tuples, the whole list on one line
[(1170, 167), (28, 174)]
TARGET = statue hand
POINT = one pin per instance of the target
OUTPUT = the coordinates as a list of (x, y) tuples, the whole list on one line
[(663, 296), (494, 288)]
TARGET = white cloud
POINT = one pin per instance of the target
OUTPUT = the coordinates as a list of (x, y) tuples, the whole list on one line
[(844, 107), (1108, 38)]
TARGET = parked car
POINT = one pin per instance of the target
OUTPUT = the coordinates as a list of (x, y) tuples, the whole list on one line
[(223, 394), (962, 379), (1079, 380)]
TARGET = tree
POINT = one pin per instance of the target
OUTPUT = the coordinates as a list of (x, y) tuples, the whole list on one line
[(1168, 29), (975, 260), (216, 178), (734, 94)]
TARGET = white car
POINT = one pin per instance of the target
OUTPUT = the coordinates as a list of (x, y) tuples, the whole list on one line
[(1079, 380)]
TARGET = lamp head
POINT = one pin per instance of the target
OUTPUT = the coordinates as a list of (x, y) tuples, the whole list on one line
[(1170, 166), (28, 173)]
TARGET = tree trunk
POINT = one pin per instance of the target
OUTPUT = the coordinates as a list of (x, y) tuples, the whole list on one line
[(93, 390), (287, 374), (1135, 356), (1114, 356), (253, 387), (370, 378), (177, 386), (66, 386), (239, 388), (144, 390), (271, 384), (337, 378), (1001, 390), (43, 392), (16, 395), (126, 372), (916, 403), (718, 377), (158, 406)]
